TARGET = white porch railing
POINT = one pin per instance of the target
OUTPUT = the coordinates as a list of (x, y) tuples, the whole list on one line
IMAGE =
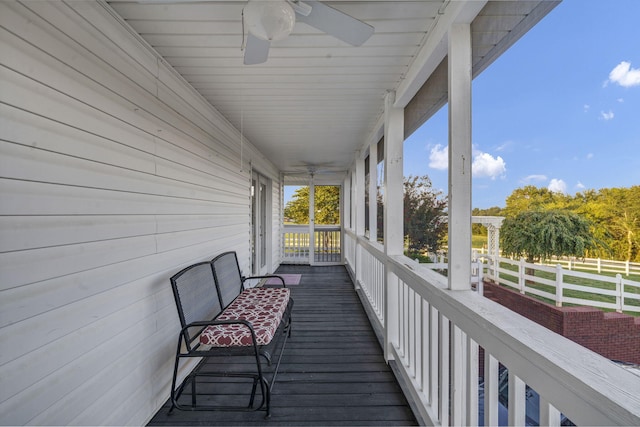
[(327, 244), (563, 286), (435, 334), (296, 244)]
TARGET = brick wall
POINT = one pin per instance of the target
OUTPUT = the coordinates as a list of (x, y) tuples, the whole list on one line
[(613, 335)]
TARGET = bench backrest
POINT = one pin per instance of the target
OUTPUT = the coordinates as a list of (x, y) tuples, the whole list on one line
[(227, 275), (196, 296)]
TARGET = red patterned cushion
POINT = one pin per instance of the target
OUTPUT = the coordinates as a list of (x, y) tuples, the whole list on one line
[(262, 307)]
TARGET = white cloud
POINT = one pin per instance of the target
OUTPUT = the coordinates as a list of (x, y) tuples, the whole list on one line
[(439, 157), (580, 186), (586, 108), (624, 75), (557, 186), (589, 156), (485, 165), (620, 100), (606, 116), (534, 178)]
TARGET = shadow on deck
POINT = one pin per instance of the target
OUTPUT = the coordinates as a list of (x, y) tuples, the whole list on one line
[(333, 370)]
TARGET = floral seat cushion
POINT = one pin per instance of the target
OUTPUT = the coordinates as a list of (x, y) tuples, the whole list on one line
[(262, 307)]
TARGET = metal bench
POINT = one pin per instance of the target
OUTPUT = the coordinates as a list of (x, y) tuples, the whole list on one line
[(220, 318)]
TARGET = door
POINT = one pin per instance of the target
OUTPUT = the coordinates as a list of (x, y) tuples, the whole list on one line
[(312, 232), (260, 215)]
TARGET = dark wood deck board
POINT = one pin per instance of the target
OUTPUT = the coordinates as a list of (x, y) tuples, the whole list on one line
[(333, 371)]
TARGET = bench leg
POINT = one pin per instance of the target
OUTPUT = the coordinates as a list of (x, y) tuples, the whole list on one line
[(193, 391), (253, 392), (174, 398), (267, 390)]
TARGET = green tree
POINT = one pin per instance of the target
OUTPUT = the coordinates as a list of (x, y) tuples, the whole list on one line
[(615, 213), (541, 234), (530, 198), (424, 212), (327, 205), (297, 209)]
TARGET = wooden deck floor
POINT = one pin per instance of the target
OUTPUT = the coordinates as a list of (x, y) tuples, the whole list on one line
[(333, 371)]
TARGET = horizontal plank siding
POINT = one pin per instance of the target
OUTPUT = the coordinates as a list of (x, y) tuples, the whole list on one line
[(114, 174), (333, 370)]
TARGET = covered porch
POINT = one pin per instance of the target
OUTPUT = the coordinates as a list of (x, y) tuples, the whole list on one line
[(135, 141), (333, 371)]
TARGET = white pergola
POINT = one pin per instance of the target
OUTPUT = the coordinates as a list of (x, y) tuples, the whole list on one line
[(493, 224)]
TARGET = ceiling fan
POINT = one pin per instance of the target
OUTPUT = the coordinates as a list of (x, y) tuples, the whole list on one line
[(312, 169), (272, 20)]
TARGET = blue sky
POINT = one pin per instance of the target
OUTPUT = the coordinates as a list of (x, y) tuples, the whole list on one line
[(560, 109)]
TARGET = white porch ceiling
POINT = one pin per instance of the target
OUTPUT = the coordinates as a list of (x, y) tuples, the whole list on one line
[(317, 100)]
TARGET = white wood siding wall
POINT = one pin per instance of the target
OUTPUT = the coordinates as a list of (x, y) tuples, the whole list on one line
[(114, 174)]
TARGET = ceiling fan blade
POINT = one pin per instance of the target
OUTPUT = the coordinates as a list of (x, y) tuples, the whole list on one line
[(300, 7), (171, 1), (256, 51), (336, 23)]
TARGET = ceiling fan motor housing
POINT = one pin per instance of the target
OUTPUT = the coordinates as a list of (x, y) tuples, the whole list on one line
[(269, 20)]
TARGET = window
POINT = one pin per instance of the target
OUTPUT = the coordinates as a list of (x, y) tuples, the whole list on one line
[(367, 178), (380, 193)]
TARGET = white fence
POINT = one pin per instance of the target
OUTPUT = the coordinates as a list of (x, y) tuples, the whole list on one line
[(598, 265), (434, 334), (563, 286)]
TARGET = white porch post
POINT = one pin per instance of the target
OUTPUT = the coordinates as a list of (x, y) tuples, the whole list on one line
[(345, 197), (393, 177), (393, 213), (358, 194), (358, 215), (345, 202), (460, 157), (312, 220)]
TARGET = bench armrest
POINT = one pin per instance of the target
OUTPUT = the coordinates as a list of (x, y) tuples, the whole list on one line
[(268, 276), (204, 324)]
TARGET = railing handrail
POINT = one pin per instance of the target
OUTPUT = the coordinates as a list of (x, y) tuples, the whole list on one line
[(327, 227), (296, 227), (484, 321), (593, 391), (316, 226)]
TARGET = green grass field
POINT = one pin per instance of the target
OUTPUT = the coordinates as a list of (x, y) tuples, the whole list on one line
[(479, 241)]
